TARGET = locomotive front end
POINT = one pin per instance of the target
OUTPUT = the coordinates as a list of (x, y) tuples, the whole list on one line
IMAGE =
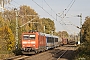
[(28, 43)]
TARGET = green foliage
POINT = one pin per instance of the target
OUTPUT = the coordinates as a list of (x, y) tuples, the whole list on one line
[(86, 30), (1, 21), (25, 14), (49, 25), (7, 38), (9, 17), (84, 50), (63, 34), (24, 18), (7, 41)]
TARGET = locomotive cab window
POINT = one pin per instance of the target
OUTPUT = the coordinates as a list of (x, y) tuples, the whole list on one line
[(29, 37), (32, 36), (25, 37)]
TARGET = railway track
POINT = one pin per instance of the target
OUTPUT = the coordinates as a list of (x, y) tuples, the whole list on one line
[(67, 54), (54, 54), (48, 55), (62, 55), (20, 57)]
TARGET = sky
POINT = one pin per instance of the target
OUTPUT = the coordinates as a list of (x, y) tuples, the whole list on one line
[(49, 9)]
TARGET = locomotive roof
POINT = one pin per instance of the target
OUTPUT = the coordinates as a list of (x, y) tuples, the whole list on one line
[(48, 35), (40, 33), (43, 34)]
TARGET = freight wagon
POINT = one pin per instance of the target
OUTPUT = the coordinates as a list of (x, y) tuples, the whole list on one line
[(64, 41)]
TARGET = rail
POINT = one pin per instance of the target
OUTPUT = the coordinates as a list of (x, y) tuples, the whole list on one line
[(20, 57)]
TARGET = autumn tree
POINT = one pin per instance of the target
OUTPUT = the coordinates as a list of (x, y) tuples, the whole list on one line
[(27, 14), (3, 2), (49, 25), (10, 18), (86, 30), (8, 37), (7, 42), (84, 51), (63, 34)]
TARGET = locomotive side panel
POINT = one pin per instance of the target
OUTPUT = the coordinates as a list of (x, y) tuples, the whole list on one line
[(41, 42)]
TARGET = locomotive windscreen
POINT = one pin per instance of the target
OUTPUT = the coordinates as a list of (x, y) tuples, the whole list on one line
[(29, 37)]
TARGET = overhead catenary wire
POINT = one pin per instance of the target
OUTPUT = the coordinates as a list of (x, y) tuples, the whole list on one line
[(70, 6), (62, 23), (10, 6), (43, 9), (73, 1), (52, 9), (16, 2), (68, 11), (67, 8), (49, 6), (40, 7), (55, 12)]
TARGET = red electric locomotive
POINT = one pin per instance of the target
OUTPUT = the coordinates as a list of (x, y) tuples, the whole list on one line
[(33, 42)]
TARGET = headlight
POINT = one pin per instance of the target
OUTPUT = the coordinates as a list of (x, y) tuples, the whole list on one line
[(24, 42)]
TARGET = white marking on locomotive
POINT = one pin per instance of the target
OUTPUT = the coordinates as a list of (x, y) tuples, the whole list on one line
[(33, 42), (28, 42), (24, 42)]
